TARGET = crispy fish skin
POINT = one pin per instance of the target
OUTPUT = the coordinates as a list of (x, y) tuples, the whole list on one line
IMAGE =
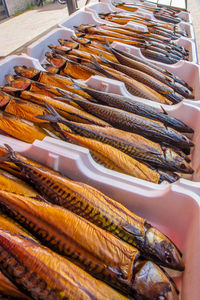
[(150, 129), (134, 87), (24, 109), (28, 111), (67, 68), (7, 288), (11, 183), (135, 107), (132, 144), (21, 130), (167, 78), (147, 80), (101, 210), (27, 264), (115, 159), (90, 247)]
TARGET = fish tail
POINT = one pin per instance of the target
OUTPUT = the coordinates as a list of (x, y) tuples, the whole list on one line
[(53, 116)]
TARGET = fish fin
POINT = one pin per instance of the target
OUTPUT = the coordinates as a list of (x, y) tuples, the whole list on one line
[(130, 229), (53, 117), (164, 111)]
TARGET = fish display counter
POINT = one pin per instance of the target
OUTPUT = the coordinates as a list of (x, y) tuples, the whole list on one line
[(99, 162)]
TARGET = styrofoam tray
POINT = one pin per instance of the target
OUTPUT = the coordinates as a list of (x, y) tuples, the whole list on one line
[(186, 16), (184, 111), (185, 70), (173, 210), (97, 8), (82, 17)]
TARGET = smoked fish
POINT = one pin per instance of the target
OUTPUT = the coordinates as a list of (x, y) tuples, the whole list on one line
[(135, 107), (90, 247), (26, 263), (101, 210), (132, 144)]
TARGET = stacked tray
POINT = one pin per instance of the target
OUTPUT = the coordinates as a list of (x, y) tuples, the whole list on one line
[(173, 208)]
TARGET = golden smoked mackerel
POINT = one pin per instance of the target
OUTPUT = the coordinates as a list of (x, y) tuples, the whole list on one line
[(137, 108), (48, 79), (45, 275), (20, 129), (163, 76), (101, 210), (28, 111), (153, 130), (90, 247), (130, 143), (6, 286), (13, 184), (114, 159)]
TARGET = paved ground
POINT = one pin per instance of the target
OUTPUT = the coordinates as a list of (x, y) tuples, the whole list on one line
[(17, 32), (20, 30)]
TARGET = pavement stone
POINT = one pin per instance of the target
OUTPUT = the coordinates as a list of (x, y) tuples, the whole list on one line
[(17, 32)]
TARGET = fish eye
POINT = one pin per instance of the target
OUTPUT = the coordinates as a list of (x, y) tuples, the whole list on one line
[(183, 166)]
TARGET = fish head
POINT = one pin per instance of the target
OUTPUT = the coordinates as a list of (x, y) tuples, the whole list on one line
[(82, 41), (84, 28), (59, 49), (4, 98), (56, 60), (18, 82), (178, 162), (26, 72), (166, 252), (151, 282)]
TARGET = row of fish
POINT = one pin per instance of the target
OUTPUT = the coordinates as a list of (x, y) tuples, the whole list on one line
[(163, 13), (70, 228), (152, 45), (121, 134), (83, 58)]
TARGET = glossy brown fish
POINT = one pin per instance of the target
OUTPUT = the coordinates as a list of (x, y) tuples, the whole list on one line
[(135, 107), (153, 130), (21, 129), (67, 111), (12, 184), (134, 87), (135, 63), (146, 79), (28, 263), (68, 68), (132, 144), (102, 211), (90, 247), (114, 159)]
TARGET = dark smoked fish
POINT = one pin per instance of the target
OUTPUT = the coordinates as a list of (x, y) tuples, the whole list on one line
[(101, 210), (90, 247), (132, 144), (162, 75), (42, 274), (148, 128), (135, 107), (147, 80)]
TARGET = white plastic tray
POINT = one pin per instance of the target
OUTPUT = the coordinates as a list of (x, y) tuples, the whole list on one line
[(187, 71), (102, 7), (186, 16), (184, 111), (91, 17), (174, 210)]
